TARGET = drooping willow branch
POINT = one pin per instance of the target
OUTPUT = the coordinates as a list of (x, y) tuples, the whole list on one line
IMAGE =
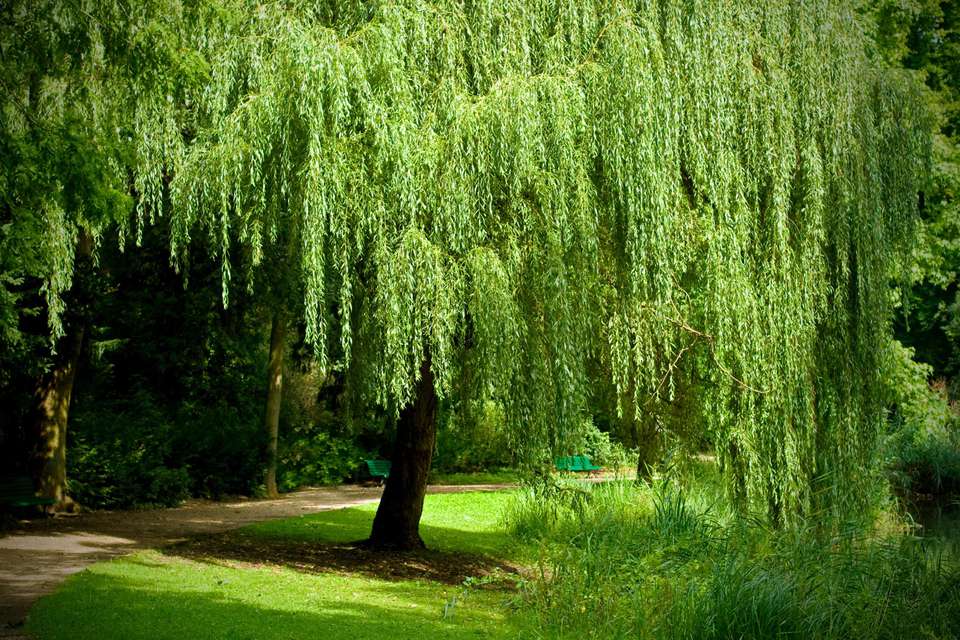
[(552, 171)]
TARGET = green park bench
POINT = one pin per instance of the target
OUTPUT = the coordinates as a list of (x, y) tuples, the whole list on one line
[(576, 464), (378, 469), (17, 491)]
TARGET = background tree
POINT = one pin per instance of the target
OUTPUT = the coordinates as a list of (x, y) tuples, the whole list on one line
[(78, 80), (280, 293), (170, 398), (924, 38), (59, 191)]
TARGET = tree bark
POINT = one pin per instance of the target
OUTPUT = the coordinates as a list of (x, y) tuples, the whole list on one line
[(397, 523), (53, 395), (648, 450), (646, 440), (278, 333), (54, 390)]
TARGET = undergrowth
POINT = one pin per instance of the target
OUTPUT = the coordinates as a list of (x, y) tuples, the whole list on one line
[(673, 562)]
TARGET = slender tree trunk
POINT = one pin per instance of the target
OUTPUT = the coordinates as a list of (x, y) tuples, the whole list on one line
[(54, 390), (397, 523), (278, 333)]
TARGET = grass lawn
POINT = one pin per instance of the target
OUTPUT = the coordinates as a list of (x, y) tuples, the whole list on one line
[(454, 522), (173, 595), (494, 476)]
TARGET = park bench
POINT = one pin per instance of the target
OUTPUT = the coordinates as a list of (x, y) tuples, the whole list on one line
[(576, 464), (17, 491), (378, 469)]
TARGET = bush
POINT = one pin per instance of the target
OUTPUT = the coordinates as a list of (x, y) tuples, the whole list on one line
[(222, 443), (135, 452), (603, 450), (316, 447), (314, 457), (118, 460), (925, 462)]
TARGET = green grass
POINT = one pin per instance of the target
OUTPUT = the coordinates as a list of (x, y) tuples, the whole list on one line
[(494, 476), (149, 595), (455, 522), (153, 595), (618, 561)]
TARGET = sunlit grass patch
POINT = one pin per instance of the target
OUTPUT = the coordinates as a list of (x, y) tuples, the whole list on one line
[(149, 595), (462, 522), (494, 476)]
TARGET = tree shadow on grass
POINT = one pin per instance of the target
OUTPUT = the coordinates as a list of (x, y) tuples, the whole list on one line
[(153, 603), (237, 548)]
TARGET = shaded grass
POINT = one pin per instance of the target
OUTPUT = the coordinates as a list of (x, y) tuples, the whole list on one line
[(448, 567), (161, 595)]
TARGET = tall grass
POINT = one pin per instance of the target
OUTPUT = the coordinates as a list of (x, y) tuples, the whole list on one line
[(622, 561)]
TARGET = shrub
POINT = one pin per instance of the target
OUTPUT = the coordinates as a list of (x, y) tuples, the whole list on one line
[(603, 450), (120, 460), (137, 452), (222, 443), (314, 457)]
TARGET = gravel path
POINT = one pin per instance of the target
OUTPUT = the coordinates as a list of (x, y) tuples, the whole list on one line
[(37, 557)]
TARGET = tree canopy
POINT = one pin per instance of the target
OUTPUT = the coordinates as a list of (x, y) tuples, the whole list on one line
[(507, 190)]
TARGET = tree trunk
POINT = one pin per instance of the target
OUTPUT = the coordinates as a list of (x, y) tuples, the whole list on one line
[(397, 523), (52, 396), (646, 439), (278, 334), (648, 449), (54, 390)]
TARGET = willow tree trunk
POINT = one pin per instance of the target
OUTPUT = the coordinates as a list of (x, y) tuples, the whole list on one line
[(646, 439), (278, 333), (397, 523), (648, 452), (54, 389)]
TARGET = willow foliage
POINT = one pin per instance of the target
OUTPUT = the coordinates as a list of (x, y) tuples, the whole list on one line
[(515, 187)]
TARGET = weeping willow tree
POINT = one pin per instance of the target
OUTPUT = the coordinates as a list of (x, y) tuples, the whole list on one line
[(486, 195)]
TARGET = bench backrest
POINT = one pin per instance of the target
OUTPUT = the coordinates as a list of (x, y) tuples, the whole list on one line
[(586, 464), (378, 467), (575, 463)]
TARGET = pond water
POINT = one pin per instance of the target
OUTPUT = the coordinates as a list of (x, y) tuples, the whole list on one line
[(939, 522)]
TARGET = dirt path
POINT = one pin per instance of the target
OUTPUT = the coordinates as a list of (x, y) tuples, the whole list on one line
[(39, 555)]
